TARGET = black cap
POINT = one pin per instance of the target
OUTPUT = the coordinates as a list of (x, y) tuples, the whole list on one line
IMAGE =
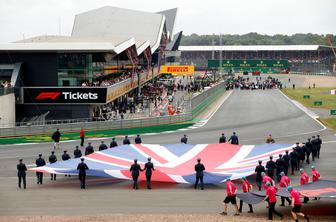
[(259, 161), (82, 159), (64, 151), (40, 154), (113, 138), (20, 160), (77, 147), (52, 152), (271, 157)]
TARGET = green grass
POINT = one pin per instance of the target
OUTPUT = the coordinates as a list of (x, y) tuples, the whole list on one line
[(317, 94), (329, 122), (95, 134)]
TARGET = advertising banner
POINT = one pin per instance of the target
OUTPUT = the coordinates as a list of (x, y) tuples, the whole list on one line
[(283, 64), (62, 95), (178, 70)]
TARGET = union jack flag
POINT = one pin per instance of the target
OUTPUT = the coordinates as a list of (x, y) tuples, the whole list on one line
[(173, 162)]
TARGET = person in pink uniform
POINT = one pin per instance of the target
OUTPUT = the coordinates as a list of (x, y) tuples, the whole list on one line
[(231, 191), (266, 179), (271, 198), (284, 183), (315, 174), (296, 204), (304, 179), (246, 187)]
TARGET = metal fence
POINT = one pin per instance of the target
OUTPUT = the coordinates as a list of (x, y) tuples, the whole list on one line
[(196, 104)]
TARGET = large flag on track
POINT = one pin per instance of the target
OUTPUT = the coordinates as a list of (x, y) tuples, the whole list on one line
[(173, 162)]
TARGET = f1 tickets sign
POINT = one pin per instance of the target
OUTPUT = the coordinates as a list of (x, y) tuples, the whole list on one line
[(178, 70), (68, 95)]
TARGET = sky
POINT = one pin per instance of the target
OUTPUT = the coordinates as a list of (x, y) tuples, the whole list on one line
[(28, 18)]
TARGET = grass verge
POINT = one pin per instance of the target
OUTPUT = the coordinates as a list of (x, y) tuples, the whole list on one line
[(317, 94), (329, 122)]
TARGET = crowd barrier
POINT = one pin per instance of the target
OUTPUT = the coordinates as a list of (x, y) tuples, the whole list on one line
[(196, 104)]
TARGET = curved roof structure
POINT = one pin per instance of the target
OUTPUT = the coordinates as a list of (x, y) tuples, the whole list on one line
[(108, 29), (145, 27)]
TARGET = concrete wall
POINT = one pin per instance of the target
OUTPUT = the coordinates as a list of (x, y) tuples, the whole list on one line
[(7, 110)]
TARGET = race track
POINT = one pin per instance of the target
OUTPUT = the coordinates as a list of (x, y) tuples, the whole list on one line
[(252, 114)]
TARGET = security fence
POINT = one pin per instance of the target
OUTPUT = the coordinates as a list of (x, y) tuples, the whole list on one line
[(195, 106)]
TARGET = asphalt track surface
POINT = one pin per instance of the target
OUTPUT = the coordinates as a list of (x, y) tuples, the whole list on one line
[(252, 114)]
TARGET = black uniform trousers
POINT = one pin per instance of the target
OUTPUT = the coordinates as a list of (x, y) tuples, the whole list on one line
[(241, 206), (82, 178), (283, 200), (314, 154), (308, 155), (39, 176), (135, 181), (318, 151), (199, 179), (293, 167), (82, 141), (272, 210), (22, 179), (53, 176), (148, 179)]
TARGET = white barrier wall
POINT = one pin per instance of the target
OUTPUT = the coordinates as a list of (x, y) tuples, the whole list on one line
[(7, 110)]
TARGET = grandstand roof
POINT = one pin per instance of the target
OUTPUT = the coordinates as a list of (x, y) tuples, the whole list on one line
[(170, 15), (67, 47), (252, 48), (112, 21), (104, 29)]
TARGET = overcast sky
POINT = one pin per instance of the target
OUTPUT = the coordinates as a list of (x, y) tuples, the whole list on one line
[(27, 18)]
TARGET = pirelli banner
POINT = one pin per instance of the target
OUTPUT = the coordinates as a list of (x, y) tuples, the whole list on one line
[(178, 70), (64, 95)]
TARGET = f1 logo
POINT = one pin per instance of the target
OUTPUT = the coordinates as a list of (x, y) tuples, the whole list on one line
[(48, 95)]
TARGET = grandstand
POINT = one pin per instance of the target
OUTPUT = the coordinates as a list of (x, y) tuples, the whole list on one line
[(110, 53), (301, 58)]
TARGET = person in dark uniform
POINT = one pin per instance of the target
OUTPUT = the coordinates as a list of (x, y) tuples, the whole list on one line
[(113, 143), (40, 162), (135, 169), (293, 160), (21, 168), (308, 149), (52, 159), (259, 169), (137, 140), (126, 141), (56, 137), (222, 139), (234, 139), (184, 139), (199, 168), (280, 165), (286, 160), (301, 155), (270, 166), (319, 143), (149, 167), (102, 146), (77, 152), (82, 167), (66, 157), (314, 143), (89, 149)]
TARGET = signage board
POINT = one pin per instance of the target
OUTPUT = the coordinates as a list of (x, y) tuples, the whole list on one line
[(237, 63), (64, 95), (178, 70)]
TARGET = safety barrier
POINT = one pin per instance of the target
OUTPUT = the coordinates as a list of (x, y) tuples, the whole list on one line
[(314, 74), (197, 104)]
